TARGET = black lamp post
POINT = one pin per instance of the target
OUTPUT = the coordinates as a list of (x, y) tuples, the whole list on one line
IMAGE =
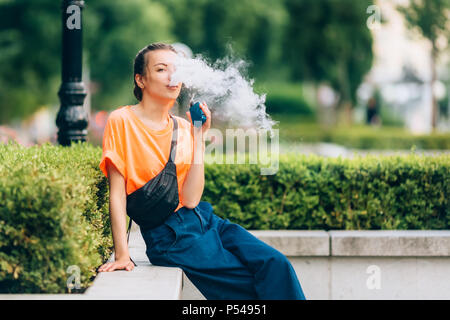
[(72, 119)]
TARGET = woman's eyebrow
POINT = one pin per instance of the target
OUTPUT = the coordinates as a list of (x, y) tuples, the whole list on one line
[(160, 63)]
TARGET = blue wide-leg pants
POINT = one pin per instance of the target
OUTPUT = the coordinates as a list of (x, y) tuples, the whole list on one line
[(222, 259)]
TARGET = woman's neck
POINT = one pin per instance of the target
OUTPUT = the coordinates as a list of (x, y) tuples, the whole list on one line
[(155, 109)]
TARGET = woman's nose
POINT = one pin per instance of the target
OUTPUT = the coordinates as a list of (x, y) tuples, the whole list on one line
[(171, 70)]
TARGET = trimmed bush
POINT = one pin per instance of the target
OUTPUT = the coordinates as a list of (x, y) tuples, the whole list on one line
[(313, 192), (53, 215), (285, 98)]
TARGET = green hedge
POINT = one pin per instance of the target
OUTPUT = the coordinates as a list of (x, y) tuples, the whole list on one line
[(306, 130), (53, 215), (313, 192), (285, 98)]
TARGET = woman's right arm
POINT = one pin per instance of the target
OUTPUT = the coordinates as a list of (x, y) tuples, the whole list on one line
[(117, 213)]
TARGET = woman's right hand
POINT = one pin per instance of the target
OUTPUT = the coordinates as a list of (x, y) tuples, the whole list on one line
[(119, 264)]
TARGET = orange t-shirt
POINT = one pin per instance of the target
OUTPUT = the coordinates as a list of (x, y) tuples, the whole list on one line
[(140, 153)]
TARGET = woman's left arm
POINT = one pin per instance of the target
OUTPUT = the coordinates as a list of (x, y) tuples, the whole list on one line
[(195, 179)]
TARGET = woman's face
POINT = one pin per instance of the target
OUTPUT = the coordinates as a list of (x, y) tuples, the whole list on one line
[(160, 67)]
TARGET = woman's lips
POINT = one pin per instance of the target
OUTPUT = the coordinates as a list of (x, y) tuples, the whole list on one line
[(172, 87)]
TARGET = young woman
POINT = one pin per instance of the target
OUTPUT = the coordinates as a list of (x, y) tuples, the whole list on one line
[(154, 164)]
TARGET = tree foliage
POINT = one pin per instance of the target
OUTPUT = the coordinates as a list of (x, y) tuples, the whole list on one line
[(29, 56), (329, 41), (319, 41), (253, 29), (114, 32)]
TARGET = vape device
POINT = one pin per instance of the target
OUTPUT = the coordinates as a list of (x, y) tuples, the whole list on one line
[(197, 114)]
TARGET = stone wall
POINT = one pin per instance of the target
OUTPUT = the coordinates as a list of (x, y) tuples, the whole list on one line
[(379, 264)]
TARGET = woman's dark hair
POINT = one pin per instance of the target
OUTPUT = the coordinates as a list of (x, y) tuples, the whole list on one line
[(140, 63)]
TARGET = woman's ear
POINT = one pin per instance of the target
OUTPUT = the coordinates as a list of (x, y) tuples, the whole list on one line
[(139, 82)]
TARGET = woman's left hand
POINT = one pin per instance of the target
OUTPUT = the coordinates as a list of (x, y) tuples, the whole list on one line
[(205, 127)]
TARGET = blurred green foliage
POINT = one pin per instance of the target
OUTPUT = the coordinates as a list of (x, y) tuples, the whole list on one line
[(115, 32), (302, 128), (30, 50), (30, 46), (329, 41), (249, 29), (277, 39), (285, 98)]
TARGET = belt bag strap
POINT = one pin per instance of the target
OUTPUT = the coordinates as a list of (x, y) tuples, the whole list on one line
[(171, 160)]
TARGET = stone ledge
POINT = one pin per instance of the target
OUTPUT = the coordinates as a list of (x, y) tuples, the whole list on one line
[(143, 283), (341, 243), (296, 242), (390, 243)]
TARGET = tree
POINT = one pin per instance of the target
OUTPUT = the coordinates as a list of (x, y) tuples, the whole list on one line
[(431, 20), (329, 41)]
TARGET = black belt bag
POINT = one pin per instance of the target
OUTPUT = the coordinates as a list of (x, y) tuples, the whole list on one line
[(150, 205)]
